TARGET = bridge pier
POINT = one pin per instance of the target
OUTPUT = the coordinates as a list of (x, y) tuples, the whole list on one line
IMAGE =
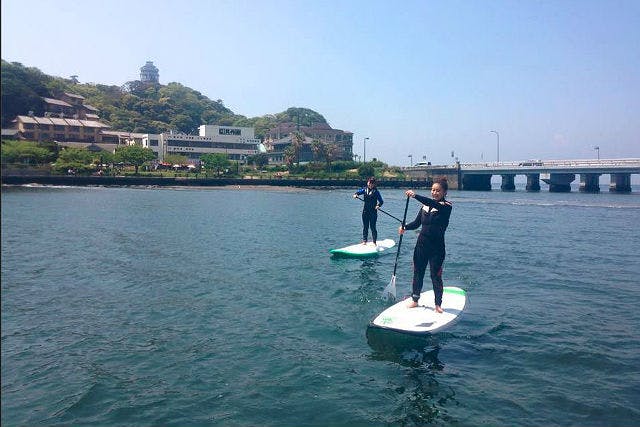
[(533, 182), (589, 183), (508, 182), (620, 183), (559, 182), (558, 174), (476, 182)]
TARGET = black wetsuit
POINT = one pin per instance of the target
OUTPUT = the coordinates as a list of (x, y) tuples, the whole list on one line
[(369, 213), (430, 249)]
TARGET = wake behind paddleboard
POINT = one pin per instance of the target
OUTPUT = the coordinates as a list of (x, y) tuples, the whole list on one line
[(364, 250), (423, 319)]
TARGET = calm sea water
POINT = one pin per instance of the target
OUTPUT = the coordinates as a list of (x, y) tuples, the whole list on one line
[(222, 307)]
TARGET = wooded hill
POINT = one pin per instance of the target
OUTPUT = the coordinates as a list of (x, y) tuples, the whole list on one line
[(135, 106)]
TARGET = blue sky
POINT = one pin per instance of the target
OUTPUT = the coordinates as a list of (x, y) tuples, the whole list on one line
[(553, 78)]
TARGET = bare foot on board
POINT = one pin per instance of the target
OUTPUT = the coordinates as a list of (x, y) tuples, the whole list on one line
[(412, 304), (439, 309)]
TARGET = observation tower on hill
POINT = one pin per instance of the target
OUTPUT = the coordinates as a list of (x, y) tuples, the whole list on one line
[(149, 73)]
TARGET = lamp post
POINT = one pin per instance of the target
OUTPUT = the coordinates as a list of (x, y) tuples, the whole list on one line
[(498, 144), (597, 148), (364, 152), (410, 156)]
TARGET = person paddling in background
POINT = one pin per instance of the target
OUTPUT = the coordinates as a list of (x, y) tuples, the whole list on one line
[(434, 218), (372, 202)]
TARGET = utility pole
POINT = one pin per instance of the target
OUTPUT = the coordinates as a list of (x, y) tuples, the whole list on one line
[(498, 145)]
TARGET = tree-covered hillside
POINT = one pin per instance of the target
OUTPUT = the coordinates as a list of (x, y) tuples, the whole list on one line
[(134, 106)]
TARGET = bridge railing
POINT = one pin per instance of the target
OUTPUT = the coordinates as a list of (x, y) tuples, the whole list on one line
[(534, 164), (545, 164)]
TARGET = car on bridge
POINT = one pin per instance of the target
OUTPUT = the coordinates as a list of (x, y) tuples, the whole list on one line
[(531, 163)]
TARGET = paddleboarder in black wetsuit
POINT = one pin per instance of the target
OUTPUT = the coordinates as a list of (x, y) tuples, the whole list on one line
[(372, 201), (430, 248)]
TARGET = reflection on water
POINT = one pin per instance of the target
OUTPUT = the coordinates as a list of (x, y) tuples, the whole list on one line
[(420, 397), (407, 350)]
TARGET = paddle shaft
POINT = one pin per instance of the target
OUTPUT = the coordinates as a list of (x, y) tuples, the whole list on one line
[(404, 218), (397, 219)]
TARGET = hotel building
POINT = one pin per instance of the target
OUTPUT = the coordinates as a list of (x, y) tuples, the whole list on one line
[(280, 137), (236, 142)]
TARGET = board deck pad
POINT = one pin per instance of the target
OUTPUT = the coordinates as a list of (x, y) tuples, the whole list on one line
[(423, 319), (360, 250)]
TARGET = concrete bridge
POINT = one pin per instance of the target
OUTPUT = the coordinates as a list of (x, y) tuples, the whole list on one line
[(559, 174)]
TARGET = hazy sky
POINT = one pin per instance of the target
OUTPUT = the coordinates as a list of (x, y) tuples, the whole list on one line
[(554, 78)]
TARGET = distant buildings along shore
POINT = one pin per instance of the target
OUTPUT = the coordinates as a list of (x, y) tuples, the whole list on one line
[(70, 122)]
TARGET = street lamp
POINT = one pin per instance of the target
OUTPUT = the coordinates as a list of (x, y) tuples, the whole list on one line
[(410, 156), (597, 148), (364, 152), (498, 146)]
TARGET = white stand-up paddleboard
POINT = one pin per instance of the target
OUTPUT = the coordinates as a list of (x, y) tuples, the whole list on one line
[(423, 319), (364, 251)]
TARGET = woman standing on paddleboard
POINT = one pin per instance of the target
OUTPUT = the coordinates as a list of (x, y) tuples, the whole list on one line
[(372, 201), (434, 218)]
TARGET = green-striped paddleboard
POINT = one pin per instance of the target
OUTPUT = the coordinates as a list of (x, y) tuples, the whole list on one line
[(423, 319), (360, 250)]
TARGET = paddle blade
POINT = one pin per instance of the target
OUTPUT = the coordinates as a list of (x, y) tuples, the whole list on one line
[(390, 290)]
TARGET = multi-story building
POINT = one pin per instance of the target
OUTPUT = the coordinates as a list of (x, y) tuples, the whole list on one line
[(280, 137), (69, 105), (59, 129), (236, 142)]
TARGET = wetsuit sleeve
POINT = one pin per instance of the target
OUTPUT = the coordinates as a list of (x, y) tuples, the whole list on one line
[(415, 223), (443, 206), (380, 201), (360, 191), (427, 201)]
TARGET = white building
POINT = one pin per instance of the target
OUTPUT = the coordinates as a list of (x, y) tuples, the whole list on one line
[(236, 142)]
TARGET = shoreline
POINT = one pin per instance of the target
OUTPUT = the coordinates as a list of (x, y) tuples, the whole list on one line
[(181, 182)]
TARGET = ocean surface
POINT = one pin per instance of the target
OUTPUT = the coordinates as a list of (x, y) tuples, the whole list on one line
[(222, 307)]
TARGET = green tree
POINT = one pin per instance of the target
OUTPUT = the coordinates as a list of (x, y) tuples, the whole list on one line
[(25, 152), (134, 155), (325, 151), (103, 158), (319, 149), (22, 91), (79, 160), (290, 155), (297, 141), (260, 160), (215, 161), (300, 116), (332, 153), (366, 170), (176, 159)]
